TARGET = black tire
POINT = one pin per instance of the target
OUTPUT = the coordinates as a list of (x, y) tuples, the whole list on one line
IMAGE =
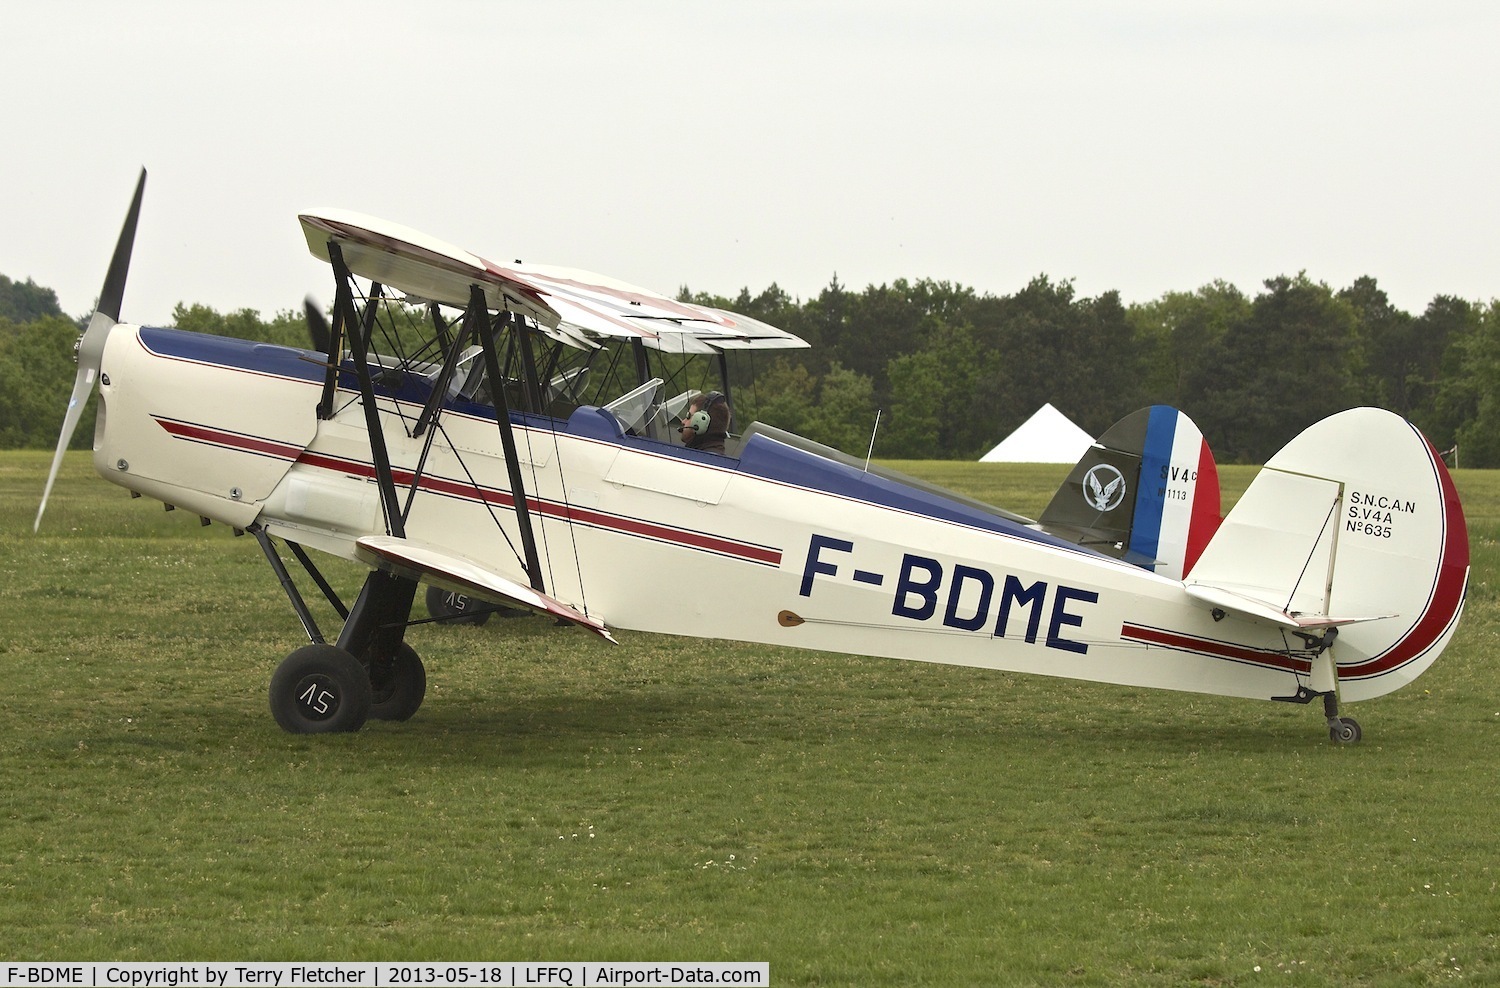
[(456, 608), (1345, 730), (320, 689), (403, 690)]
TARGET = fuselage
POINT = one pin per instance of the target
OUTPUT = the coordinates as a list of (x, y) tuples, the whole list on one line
[(777, 544)]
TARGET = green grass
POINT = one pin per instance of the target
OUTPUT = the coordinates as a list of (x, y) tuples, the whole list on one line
[(850, 820)]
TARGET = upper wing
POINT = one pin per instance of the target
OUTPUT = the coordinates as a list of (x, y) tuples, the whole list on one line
[(452, 571), (418, 264), (575, 307)]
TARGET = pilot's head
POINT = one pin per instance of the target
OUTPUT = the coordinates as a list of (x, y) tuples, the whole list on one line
[(695, 422), (706, 413)]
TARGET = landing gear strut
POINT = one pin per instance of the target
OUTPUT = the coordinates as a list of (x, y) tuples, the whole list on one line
[(1341, 730), (398, 692), (370, 672)]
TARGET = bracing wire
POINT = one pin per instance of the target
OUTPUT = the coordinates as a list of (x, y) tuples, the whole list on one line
[(488, 507), (1311, 553), (567, 505), (391, 338), (517, 325)]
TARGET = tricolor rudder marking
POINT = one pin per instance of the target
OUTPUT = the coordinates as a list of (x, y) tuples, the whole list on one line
[(1177, 497)]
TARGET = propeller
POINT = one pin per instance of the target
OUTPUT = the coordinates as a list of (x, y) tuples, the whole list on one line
[(317, 325), (90, 350)]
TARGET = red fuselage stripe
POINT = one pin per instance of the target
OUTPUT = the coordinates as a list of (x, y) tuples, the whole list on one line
[(1217, 649), (565, 512), (233, 440), (470, 492)]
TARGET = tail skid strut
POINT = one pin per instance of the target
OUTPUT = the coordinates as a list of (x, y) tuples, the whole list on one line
[(1344, 730)]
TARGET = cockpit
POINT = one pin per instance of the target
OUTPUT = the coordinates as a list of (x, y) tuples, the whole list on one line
[(643, 411)]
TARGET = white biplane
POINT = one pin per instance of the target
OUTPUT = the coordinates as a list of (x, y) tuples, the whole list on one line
[(480, 464)]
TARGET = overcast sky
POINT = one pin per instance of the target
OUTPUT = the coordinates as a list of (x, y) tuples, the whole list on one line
[(1145, 146)]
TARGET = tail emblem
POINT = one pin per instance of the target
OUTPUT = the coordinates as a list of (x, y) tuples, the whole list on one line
[(1104, 487)]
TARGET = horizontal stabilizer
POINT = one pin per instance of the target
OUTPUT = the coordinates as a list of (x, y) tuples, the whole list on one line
[(443, 568), (1277, 545), (1264, 610)]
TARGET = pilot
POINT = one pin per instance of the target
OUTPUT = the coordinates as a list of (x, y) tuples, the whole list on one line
[(706, 424)]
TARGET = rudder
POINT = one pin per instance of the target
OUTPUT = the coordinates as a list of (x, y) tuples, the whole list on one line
[(1147, 491)]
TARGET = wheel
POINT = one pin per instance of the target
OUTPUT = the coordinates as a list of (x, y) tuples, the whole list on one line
[(1344, 730), (456, 608), (318, 689), (400, 694)]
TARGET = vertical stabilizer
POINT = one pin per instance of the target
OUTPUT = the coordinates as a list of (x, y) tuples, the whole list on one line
[(1146, 492), (1354, 523)]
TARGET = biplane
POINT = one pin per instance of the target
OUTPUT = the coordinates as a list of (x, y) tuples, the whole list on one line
[(498, 453)]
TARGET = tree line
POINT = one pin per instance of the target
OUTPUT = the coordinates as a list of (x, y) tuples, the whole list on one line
[(951, 371)]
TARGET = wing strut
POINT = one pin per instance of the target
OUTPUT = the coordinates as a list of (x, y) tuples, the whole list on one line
[(434, 311), (723, 361), (453, 350), (359, 343), (335, 347), (642, 365), (529, 375), (478, 314)]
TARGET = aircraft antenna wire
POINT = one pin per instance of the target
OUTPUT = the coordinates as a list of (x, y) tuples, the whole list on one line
[(873, 432)]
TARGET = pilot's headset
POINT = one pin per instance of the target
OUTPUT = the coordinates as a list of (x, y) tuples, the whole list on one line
[(700, 419)]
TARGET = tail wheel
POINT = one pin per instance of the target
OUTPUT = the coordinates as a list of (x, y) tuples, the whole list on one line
[(398, 693), (320, 689), (1344, 730)]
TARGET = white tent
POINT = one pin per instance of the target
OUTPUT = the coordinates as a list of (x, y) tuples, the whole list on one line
[(1048, 436)]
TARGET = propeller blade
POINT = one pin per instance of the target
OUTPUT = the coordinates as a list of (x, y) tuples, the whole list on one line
[(82, 385), (113, 292), (91, 344), (317, 325)]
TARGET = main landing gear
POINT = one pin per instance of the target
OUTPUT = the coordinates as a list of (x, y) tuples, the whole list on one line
[(370, 672), (320, 688)]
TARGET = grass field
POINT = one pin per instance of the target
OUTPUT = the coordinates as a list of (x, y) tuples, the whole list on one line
[(850, 820)]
